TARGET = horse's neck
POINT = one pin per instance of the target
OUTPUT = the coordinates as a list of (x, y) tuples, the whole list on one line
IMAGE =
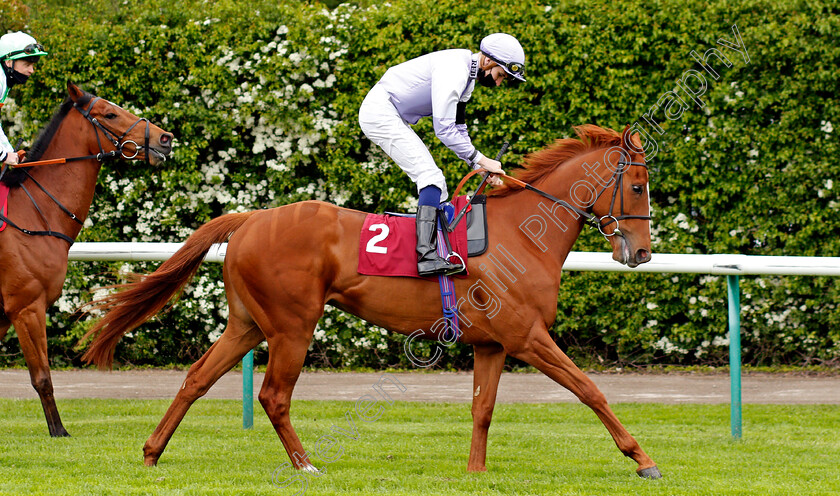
[(543, 230), (73, 183), (538, 228)]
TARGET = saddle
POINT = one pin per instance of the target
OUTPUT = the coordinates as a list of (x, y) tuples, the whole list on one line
[(477, 226), (387, 241)]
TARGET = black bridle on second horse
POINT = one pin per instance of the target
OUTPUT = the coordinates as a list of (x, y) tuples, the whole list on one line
[(119, 143)]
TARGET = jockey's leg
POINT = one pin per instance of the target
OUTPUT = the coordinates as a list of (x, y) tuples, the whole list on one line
[(429, 263), (382, 124)]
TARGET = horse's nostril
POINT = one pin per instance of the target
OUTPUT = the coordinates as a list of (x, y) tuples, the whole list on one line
[(165, 139), (642, 255)]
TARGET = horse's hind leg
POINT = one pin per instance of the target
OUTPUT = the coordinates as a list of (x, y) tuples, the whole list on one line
[(287, 352), (489, 361), (541, 352), (31, 327), (239, 338)]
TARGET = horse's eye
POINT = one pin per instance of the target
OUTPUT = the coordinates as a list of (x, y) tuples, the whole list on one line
[(110, 115), (638, 189)]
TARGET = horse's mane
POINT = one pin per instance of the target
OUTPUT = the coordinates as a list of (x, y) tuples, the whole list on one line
[(15, 176), (539, 164)]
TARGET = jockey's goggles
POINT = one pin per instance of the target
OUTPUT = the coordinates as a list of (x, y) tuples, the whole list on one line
[(33, 49), (514, 68)]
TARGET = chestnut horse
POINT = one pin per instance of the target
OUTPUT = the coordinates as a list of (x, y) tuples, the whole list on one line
[(283, 265), (47, 206)]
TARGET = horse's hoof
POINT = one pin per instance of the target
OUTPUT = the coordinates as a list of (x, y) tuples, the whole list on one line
[(61, 433), (150, 461), (650, 473)]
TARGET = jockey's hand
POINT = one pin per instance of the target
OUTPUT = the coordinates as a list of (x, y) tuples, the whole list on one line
[(21, 155), (493, 167), (11, 159)]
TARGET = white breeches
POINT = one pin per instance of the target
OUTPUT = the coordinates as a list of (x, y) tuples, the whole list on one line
[(383, 125)]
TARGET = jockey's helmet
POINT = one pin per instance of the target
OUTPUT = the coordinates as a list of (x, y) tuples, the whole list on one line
[(506, 51)]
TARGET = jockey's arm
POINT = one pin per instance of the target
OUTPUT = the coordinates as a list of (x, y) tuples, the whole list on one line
[(7, 152)]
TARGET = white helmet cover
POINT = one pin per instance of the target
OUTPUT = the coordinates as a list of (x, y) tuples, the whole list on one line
[(506, 51)]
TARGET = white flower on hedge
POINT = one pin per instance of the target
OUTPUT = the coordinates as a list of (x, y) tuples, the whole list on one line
[(341, 197), (826, 127), (681, 220), (275, 165), (668, 347), (753, 153)]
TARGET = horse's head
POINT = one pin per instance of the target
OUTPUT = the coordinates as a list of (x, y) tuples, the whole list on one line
[(623, 207), (120, 132)]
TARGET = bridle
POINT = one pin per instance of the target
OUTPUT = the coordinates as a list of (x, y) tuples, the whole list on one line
[(618, 179), (119, 143)]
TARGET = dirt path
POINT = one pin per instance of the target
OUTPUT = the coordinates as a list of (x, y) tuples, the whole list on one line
[(445, 387)]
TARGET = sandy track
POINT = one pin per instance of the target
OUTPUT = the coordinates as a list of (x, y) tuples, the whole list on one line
[(445, 387)]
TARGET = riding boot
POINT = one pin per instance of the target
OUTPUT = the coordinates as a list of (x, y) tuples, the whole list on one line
[(429, 263)]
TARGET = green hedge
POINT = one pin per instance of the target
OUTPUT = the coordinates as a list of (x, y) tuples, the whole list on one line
[(263, 99)]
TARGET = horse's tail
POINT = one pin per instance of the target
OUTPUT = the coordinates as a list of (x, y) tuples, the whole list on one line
[(138, 301)]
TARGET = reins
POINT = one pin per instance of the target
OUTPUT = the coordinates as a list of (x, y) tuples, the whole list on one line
[(119, 143), (590, 218)]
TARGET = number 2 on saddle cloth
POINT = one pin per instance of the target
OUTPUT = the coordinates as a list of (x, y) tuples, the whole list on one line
[(387, 248)]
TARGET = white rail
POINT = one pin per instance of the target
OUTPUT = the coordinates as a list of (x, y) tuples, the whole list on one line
[(136, 252), (583, 261)]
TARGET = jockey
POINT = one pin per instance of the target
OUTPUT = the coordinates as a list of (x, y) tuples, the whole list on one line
[(18, 54), (437, 84)]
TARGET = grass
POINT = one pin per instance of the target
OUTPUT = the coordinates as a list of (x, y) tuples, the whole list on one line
[(421, 448)]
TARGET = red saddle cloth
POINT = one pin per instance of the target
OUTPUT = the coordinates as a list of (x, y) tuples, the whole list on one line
[(387, 244), (4, 200)]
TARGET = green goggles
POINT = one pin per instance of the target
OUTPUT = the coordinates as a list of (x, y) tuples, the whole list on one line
[(32, 49)]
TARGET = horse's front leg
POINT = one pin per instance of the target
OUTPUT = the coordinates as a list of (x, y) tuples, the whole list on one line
[(543, 353), (31, 328), (489, 361)]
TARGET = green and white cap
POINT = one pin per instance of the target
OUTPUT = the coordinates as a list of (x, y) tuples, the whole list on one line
[(19, 45)]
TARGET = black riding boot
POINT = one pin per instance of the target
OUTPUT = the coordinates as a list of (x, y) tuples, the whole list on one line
[(429, 263)]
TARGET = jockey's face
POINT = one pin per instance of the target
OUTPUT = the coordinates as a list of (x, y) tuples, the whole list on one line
[(495, 70), (22, 66)]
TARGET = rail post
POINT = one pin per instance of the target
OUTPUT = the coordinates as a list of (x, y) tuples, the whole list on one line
[(734, 293), (248, 390)]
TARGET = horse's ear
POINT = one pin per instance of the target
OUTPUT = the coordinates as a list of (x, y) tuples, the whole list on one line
[(630, 140), (74, 91)]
